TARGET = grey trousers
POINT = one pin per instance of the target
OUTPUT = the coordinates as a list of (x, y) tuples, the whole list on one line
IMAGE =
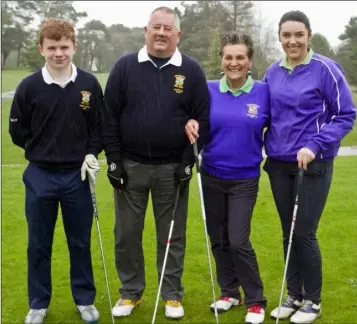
[(130, 209)]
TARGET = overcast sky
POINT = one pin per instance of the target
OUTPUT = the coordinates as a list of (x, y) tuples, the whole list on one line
[(327, 17)]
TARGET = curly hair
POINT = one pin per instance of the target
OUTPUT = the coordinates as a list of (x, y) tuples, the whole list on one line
[(55, 29), (236, 38)]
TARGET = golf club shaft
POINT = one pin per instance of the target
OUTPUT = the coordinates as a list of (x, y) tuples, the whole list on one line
[(95, 210), (166, 254), (300, 178), (162, 271), (199, 181)]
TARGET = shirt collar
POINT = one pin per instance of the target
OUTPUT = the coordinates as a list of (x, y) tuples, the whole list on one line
[(48, 78), (176, 58), (246, 87), (307, 59)]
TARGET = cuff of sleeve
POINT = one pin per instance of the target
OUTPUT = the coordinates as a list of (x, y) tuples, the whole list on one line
[(188, 156), (93, 151), (113, 157), (314, 147)]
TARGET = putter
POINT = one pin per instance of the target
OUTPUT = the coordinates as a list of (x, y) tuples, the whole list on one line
[(95, 211), (299, 182), (199, 181), (166, 253)]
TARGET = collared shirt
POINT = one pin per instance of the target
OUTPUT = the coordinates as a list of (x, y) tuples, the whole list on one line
[(49, 80), (176, 58), (307, 59), (247, 86)]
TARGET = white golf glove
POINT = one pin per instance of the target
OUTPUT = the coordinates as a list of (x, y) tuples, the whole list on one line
[(90, 166)]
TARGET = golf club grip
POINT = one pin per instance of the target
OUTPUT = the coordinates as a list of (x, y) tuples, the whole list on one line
[(195, 149), (195, 152), (94, 200), (91, 187), (176, 200), (300, 178)]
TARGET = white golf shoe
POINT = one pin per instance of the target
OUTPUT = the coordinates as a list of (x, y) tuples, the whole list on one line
[(88, 313), (225, 303), (124, 307), (173, 309), (255, 315), (288, 308), (36, 316), (307, 313)]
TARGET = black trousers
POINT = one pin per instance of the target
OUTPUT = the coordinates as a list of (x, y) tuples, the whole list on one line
[(229, 207), (304, 275)]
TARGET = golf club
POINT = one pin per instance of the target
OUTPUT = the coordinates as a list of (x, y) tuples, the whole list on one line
[(166, 252), (299, 182), (195, 150), (95, 211)]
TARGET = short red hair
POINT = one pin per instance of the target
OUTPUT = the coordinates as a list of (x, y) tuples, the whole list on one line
[(55, 29)]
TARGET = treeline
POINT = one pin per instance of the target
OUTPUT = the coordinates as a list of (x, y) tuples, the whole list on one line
[(202, 24)]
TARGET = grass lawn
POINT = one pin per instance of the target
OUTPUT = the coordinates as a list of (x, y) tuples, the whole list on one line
[(337, 236), (11, 78), (351, 138)]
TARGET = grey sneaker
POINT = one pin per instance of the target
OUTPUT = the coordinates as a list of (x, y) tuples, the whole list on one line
[(89, 313), (36, 316), (307, 313)]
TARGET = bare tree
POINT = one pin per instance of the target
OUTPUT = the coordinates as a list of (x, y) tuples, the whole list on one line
[(265, 44)]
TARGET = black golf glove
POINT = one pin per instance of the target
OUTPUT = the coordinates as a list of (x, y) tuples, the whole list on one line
[(183, 174), (117, 175)]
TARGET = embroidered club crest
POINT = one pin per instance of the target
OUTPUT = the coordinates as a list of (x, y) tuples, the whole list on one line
[(252, 110), (85, 100), (179, 81)]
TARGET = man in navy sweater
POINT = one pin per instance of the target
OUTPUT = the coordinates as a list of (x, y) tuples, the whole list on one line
[(150, 96), (55, 117)]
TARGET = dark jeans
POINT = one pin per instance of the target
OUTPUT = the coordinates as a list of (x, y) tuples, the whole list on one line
[(130, 209), (229, 207), (304, 275), (45, 191)]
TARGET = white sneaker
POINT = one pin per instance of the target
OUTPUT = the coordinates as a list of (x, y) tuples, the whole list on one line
[(89, 313), (173, 309), (288, 308), (36, 316), (307, 313), (225, 303), (124, 307), (255, 315)]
